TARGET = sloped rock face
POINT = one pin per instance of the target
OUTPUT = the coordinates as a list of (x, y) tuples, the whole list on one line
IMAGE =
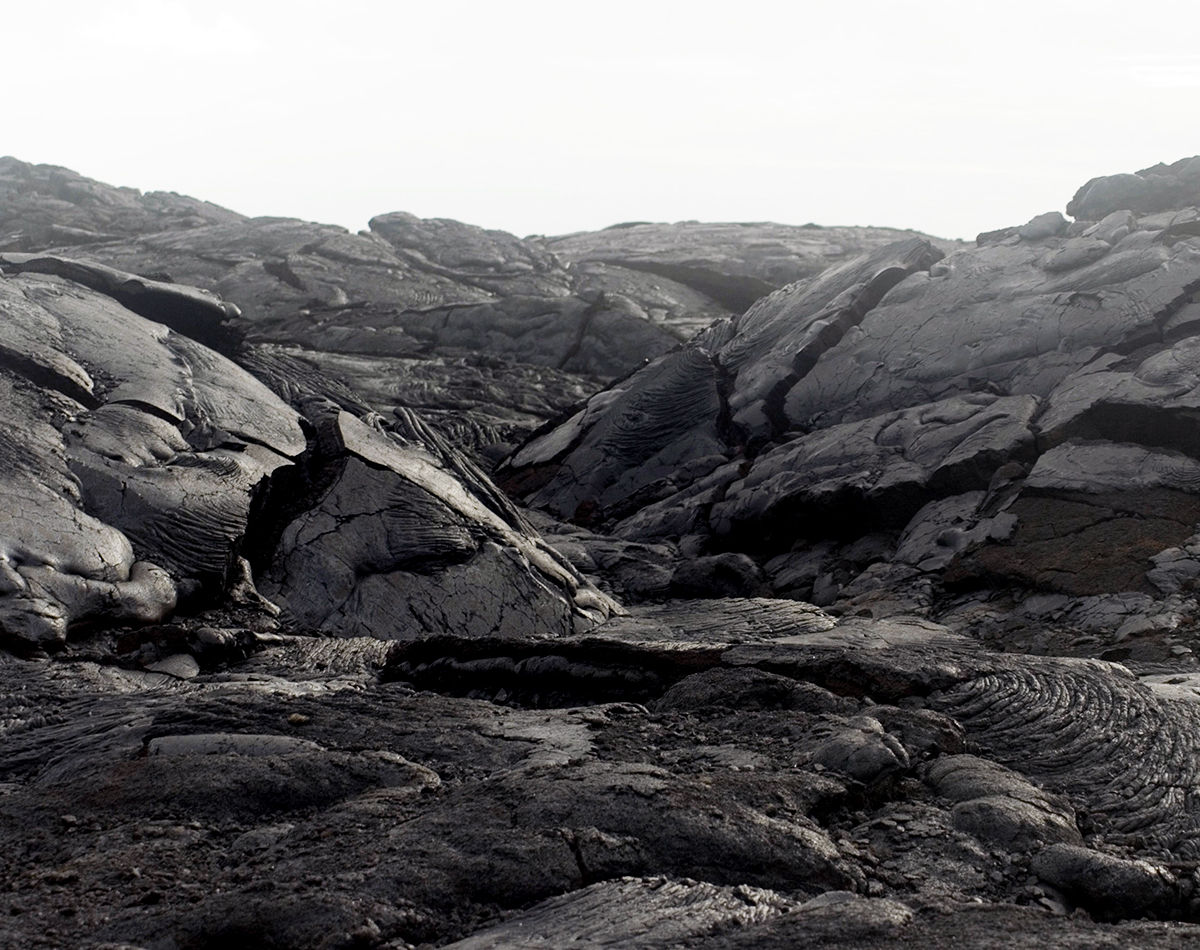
[(1020, 413), (140, 465), (428, 290), (398, 542), (126, 441), (438, 292), (708, 400), (733, 264), (47, 206), (996, 318), (281, 670)]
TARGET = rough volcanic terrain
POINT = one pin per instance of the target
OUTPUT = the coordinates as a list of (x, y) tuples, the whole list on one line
[(691, 585)]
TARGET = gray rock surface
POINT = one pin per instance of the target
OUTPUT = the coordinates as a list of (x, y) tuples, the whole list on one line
[(495, 261), (153, 461), (1111, 887), (734, 264), (47, 206), (866, 618), (393, 544), (912, 396), (1159, 188), (141, 464), (999, 805), (414, 288)]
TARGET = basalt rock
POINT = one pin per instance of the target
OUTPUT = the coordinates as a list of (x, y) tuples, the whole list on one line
[(660, 913), (493, 260), (402, 537), (145, 460), (999, 805), (928, 401), (153, 462), (1089, 519), (733, 264), (692, 405), (315, 681), (1158, 188), (45, 206), (400, 815)]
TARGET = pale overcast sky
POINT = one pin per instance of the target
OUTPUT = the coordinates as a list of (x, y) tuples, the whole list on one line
[(550, 117)]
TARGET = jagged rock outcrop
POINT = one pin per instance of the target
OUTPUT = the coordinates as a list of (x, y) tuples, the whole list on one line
[(138, 458), (451, 296), (395, 290), (402, 537), (133, 454), (908, 553), (733, 264), (427, 290), (47, 206), (936, 398), (686, 414)]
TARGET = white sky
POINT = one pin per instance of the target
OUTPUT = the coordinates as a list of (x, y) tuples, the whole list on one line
[(550, 117)]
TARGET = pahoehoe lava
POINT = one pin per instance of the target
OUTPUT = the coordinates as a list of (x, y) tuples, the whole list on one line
[(691, 585)]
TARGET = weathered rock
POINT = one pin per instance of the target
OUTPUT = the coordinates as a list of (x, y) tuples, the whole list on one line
[(948, 527), (677, 410), (1030, 719), (862, 750), (392, 544), (1090, 517), (484, 405), (1076, 252), (910, 439), (655, 822), (883, 923), (922, 732), (829, 920), (281, 272), (1151, 189), (46, 206), (624, 440), (679, 309), (634, 572), (793, 574), (1112, 888), (1176, 568), (875, 473), (781, 339), (992, 319), (494, 260), (1050, 224), (635, 914), (396, 290), (749, 689), (734, 264), (719, 575), (160, 442), (605, 337), (177, 448), (1152, 402), (195, 313), (1001, 806), (806, 359)]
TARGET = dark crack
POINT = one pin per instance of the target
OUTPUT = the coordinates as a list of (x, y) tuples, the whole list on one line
[(585, 320)]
